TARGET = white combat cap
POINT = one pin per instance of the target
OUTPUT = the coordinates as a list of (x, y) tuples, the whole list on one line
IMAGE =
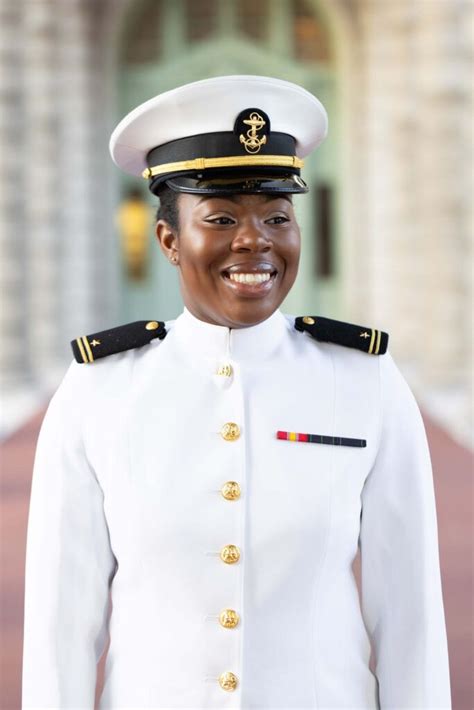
[(226, 125)]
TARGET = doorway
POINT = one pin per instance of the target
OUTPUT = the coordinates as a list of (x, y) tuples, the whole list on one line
[(165, 44)]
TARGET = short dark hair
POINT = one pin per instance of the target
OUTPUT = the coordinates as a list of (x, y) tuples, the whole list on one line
[(168, 208)]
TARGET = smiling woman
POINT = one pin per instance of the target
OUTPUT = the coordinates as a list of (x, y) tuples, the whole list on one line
[(213, 476)]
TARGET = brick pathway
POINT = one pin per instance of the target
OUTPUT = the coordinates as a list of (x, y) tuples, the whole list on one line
[(454, 495)]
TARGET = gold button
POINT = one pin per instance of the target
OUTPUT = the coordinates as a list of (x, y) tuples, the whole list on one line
[(308, 320), (230, 431), (229, 618), (152, 325), (228, 681), (231, 490), (225, 370), (230, 554)]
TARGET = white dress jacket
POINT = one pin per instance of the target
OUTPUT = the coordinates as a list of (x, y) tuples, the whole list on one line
[(127, 495)]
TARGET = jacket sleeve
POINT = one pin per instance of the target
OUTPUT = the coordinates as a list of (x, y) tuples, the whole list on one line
[(69, 562), (401, 593)]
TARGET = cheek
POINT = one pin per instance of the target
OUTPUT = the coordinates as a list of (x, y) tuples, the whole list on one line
[(194, 250), (198, 252), (290, 249)]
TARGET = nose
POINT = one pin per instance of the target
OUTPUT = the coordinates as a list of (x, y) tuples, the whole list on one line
[(251, 237)]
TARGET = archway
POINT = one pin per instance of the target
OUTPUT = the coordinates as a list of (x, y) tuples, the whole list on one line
[(162, 45)]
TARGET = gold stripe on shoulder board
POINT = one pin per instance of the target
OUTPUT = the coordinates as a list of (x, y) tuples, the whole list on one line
[(377, 344), (372, 341), (81, 350), (88, 348)]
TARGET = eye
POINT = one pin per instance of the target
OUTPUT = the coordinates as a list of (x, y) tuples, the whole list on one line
[(278, 219), (222, 220)]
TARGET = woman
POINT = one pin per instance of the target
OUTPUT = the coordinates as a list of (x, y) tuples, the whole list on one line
[(217, 472)]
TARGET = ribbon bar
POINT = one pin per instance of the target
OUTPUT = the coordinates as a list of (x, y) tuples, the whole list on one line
[(320, 439)]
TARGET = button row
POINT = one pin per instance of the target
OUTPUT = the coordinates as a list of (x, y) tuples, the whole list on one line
[(229, 554)]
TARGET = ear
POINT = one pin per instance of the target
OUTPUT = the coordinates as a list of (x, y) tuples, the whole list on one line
[(168, 240)]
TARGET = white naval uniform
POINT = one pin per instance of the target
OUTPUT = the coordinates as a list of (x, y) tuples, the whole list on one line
[(127, 491)]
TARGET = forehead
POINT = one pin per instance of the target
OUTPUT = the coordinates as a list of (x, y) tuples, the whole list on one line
[(250, 200)]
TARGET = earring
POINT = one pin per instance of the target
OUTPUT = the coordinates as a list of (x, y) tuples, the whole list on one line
[(174, 259)]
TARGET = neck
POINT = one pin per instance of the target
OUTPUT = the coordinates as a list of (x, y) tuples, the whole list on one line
[(213, 341), (226, 324)]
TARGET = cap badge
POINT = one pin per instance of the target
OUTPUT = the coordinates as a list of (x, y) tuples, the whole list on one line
[(253, 126)]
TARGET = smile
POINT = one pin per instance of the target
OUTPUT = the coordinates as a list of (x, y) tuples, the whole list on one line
[(251, 284)]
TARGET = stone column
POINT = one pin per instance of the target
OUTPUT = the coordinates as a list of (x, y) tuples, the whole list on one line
[(443, 193), (40, 184), (389, 259), (418, 147), (13, 323), (445, 133), (85, 218)]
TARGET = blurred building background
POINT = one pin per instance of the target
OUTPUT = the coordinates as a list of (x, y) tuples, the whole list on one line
[(387, 226)]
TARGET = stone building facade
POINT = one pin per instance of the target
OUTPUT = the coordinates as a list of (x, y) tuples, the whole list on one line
[(404, 172)]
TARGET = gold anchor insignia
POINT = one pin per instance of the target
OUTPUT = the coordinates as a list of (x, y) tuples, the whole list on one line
[(365, 334), (253, 143), (95, 342)]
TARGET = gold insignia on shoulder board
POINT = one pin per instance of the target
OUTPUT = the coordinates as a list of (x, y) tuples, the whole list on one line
[(365, 334)]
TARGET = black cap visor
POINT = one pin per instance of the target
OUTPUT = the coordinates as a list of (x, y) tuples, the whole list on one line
[(228, 185)]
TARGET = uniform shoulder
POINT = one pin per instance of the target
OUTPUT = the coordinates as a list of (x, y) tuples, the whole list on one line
[(88, 348), (327, 330)]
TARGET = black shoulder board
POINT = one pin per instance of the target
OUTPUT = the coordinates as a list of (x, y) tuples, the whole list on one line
[(369, 340), (88, 348)]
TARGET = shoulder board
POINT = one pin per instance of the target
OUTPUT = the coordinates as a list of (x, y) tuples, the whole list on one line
[(369, 340), (88, 348)]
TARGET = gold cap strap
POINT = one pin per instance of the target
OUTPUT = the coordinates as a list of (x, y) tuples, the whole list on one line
[(232, 161)]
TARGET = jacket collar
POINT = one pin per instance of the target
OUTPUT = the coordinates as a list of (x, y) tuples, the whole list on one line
[(256, 342)]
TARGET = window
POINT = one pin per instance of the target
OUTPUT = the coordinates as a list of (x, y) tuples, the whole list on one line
[(311, 39), (324, 252), (253, 18), (201, 19)]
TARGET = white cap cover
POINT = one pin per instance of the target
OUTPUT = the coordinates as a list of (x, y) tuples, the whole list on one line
[(212, 106)]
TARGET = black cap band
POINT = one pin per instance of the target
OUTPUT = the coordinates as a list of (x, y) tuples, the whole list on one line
[(215, 145)]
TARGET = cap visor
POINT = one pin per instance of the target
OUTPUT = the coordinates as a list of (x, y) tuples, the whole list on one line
[(238, 184)]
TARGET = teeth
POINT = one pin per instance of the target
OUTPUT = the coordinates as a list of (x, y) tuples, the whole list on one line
[(250, 278)]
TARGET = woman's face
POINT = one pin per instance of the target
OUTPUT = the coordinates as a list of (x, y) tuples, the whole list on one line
[(237, 255)]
